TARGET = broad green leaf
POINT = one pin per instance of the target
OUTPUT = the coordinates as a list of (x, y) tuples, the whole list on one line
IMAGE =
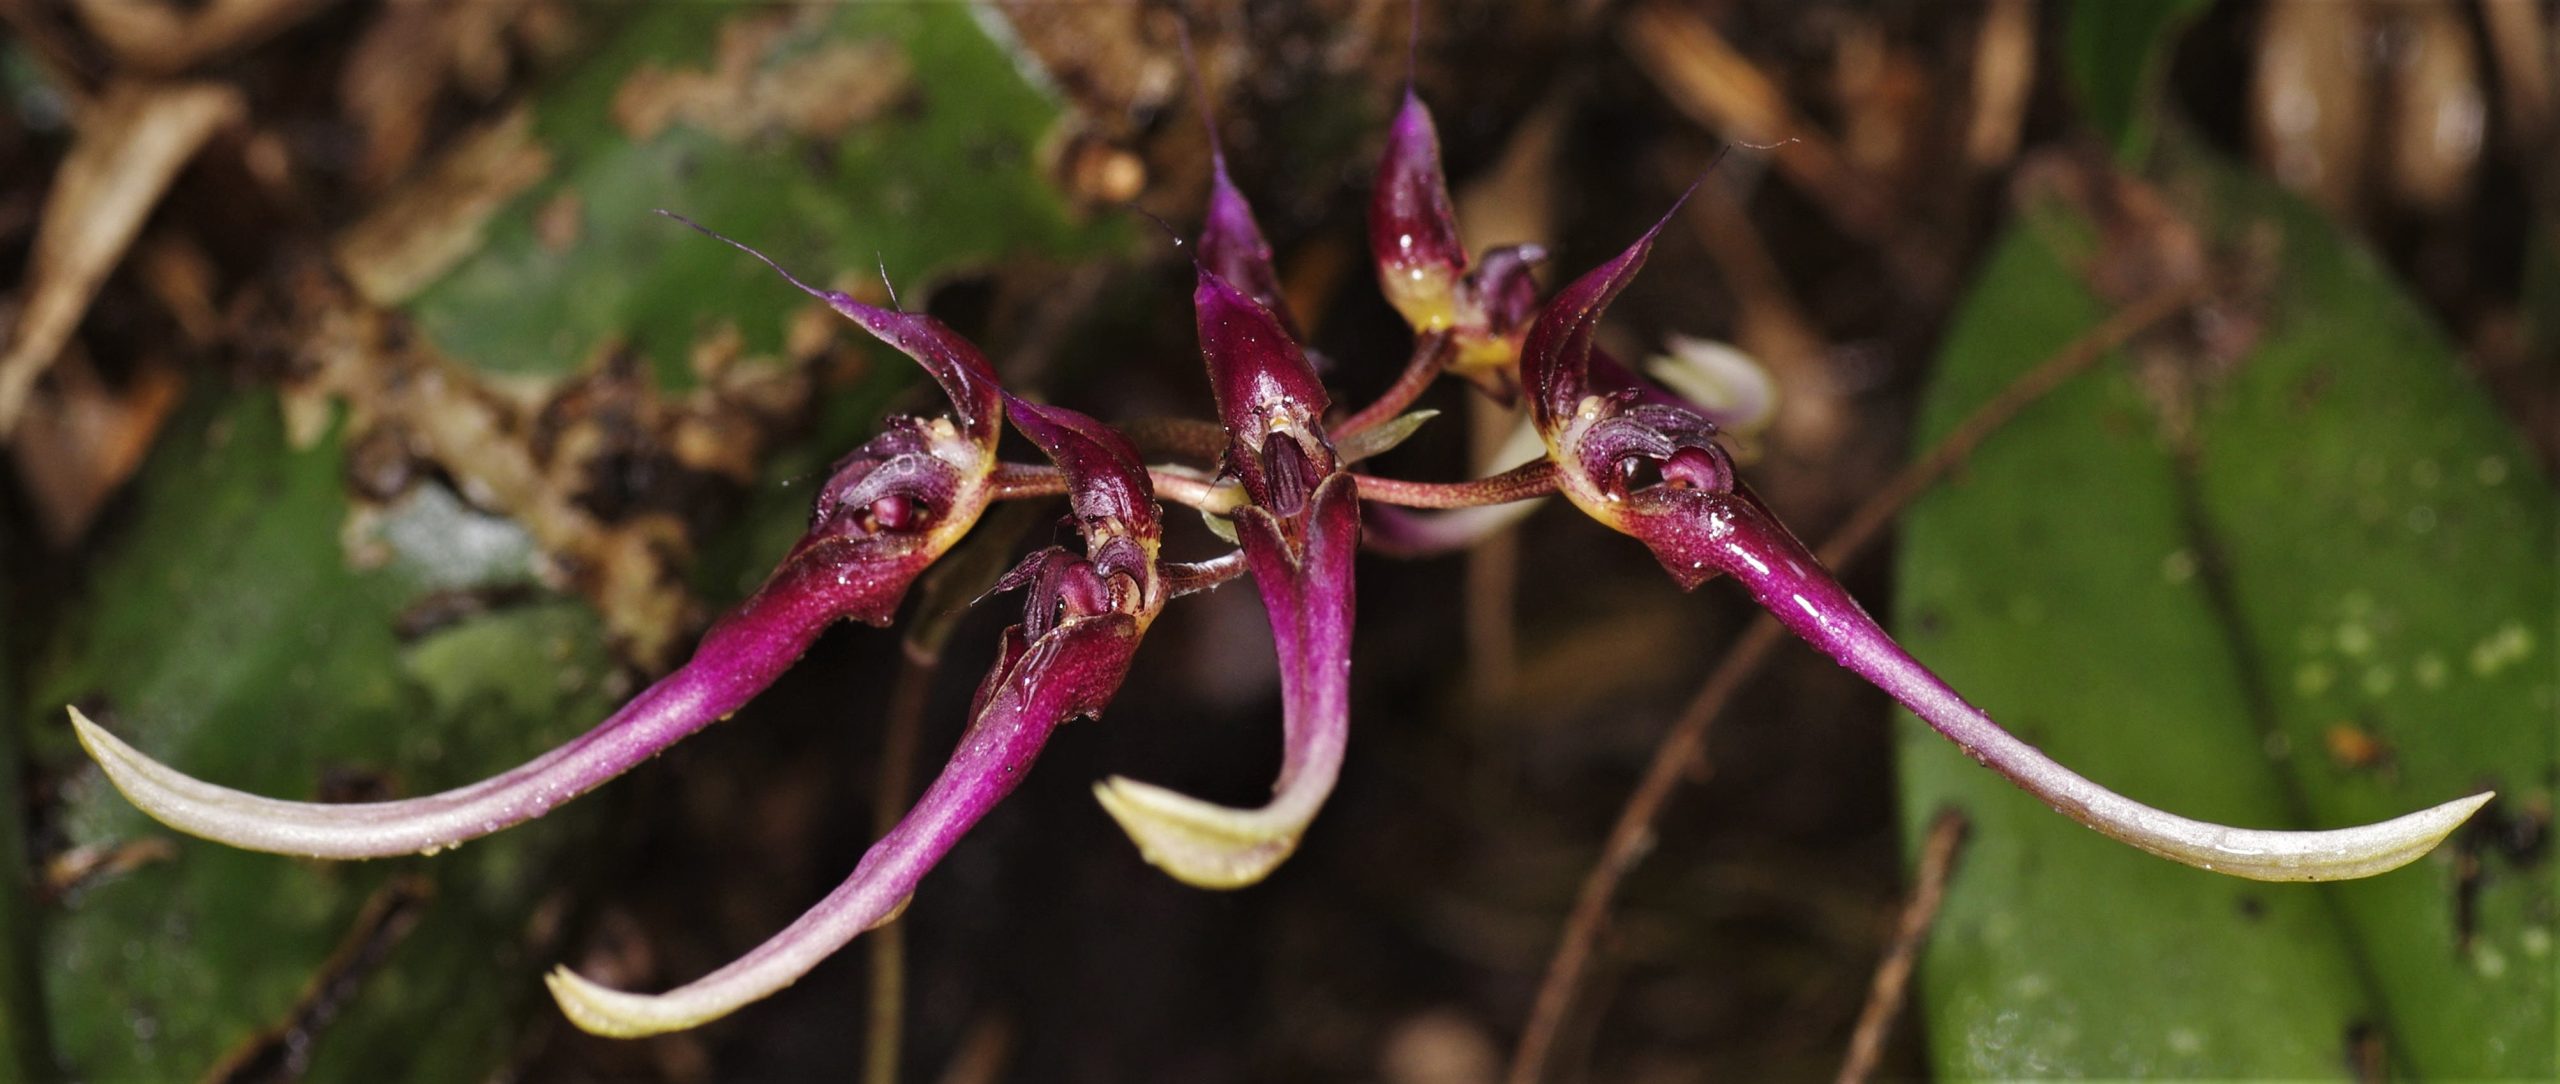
[(2114, 52), (2338, 550)]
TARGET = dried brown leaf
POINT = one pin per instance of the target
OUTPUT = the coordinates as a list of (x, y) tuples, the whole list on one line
[(132, 141), (165, 37), (422, 229)]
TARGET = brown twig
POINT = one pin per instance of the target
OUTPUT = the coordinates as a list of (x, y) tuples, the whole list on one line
[(1893, 972), (971, 572), (884, 1029), (1535, 478), (1684, 744)]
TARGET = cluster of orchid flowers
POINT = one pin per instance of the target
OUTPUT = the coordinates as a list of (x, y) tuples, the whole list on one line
[(1622, 450)]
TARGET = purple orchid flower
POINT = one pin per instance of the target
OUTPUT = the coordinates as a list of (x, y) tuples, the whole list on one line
[(890, 510), (1654, 471), (1422, 263), (1080, 629), (1299, 533), (885, 514), (1641, 460)]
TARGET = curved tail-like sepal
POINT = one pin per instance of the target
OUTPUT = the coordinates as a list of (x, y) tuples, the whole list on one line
[(1071, 671), (1307, 594), (1786, 580), (739, 657)]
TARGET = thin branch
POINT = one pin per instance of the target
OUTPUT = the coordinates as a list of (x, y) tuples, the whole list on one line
[(1684, 744), (1893, 972), (885, 1028), (1536, 478), (1430, 355), (1184, 578), (1182, 438), (1019, 481)]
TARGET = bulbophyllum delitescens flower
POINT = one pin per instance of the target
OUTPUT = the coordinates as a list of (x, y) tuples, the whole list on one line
[(1639, 459), (1079, 631), (1654, 470), (886, 513), (1299, 529)]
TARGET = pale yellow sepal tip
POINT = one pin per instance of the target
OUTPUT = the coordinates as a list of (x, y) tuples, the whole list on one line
[(2339, 854), (1200, 844), (615, 1014)]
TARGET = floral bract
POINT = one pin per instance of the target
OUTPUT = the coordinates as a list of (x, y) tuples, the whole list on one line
[(1637, 458)]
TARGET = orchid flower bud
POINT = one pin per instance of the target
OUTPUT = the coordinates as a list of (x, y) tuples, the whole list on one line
[(1413, 233)]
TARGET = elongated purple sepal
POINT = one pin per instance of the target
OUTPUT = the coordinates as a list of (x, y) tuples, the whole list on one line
[(1307, 593), (1555, 361), (951, 360), (1072, 671), (1786, 580), (1232, 245), (1413, 232), (737, 659)]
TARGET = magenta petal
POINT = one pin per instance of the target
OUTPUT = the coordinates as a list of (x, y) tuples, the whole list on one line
[(737, 659), (953, 362), (1308, 597), (1264, 386), (1231, 245), (1555, 360), (1787, 581), (1105, 478), (1070, 672), (1413, 233)]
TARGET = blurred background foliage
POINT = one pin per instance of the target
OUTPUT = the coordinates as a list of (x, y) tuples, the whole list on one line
[(365, 432)]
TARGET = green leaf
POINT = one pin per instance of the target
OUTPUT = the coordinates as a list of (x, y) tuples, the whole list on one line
[(2336, 549), (941, 173), (2115, 51)]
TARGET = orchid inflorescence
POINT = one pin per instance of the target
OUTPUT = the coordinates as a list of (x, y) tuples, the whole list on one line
[(1625, 452)]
